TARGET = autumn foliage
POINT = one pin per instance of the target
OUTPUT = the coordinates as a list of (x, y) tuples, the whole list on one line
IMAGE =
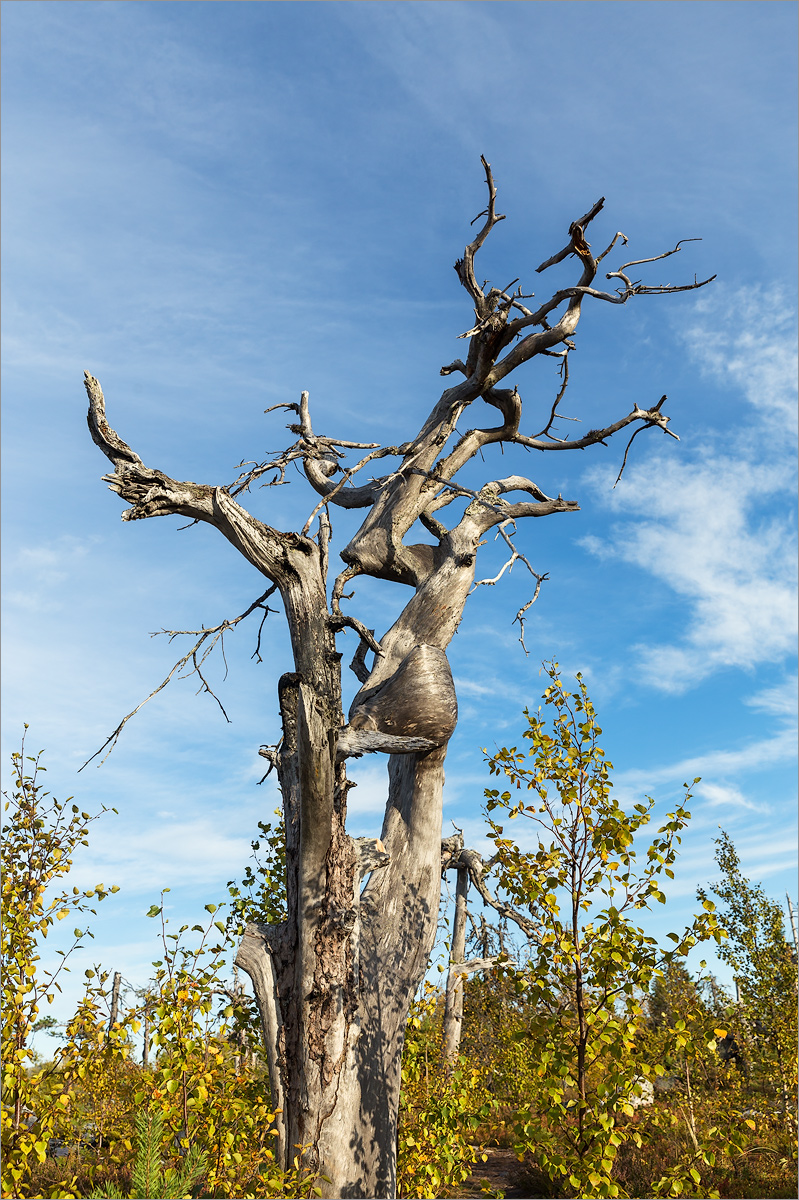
[(588, 1050)]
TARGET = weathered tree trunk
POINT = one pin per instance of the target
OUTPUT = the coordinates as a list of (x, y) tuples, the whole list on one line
[(453, 1003), (335, 980)]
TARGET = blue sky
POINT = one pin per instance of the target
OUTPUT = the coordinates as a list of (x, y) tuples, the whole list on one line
[(212, 206)]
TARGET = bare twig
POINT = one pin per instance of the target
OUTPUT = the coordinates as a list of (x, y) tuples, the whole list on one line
[(636, 262), (465, 266), (564, 375), (308, 446), (508, 566), (520, 614), (216, 633), (650, 417), (607, 251)]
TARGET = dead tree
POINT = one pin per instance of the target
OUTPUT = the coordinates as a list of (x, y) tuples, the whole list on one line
[(335, 980), (472, 870)]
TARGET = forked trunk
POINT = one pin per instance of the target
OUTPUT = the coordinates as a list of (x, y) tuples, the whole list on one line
[(334, 984)]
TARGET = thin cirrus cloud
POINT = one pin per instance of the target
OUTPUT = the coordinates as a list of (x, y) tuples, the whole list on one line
[(779, 700), (714, 768)]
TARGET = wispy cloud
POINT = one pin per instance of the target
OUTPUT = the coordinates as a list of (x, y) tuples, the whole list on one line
[(746, 337), (716, 529), (725, 795), (39, 572), (700, 528), (153, 857), (715, 768), (779, 700)]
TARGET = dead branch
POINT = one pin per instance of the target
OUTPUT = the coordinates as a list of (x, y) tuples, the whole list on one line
[(520, 614), (450, 849), (564, 376), (608, 249), (650, 417), (536, 343), (576, 231), (515, 556), (636, 262), (647, 425), (358, 665), (272, 755), (353, 743), (345, 478), (323, 539), (465, 266), (339, 621), (309, 447), (477, 868)]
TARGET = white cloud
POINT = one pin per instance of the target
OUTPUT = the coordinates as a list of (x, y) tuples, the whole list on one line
[(718, 795), (192, 851), (717, 530), (746, 337), (779, 700), (697, 527), (470, 687)]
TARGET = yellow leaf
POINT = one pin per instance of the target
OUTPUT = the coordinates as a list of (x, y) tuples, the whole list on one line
[(720, 1033)]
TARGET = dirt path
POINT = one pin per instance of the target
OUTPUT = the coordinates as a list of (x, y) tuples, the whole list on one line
[(501, 1171)]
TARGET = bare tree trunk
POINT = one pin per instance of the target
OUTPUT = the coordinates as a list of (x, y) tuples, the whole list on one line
[(145, 1052), (115, 1000), (453, 1005), (334, 981)]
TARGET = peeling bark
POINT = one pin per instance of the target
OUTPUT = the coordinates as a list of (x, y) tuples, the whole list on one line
[(334, 982)]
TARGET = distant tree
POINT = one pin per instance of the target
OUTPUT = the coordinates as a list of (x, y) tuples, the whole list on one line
[(670, 994), (764, 966), (335, 979)]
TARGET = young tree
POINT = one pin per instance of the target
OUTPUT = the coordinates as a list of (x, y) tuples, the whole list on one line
[(765, 969), (335, 979), (578, 894)]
